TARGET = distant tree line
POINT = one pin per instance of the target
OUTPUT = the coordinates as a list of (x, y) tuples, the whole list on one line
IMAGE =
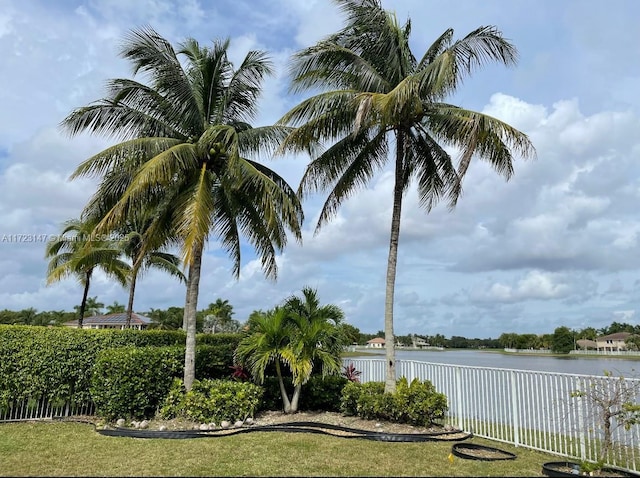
[(563, 339), (437, 340), (218, 317)]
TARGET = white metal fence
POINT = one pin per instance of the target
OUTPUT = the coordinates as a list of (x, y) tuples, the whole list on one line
[(630, 353), (37, 409), (537, 410)]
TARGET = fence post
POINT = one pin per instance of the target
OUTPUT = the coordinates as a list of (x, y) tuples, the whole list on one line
[(581, 434), (459, 398), (515, 415)]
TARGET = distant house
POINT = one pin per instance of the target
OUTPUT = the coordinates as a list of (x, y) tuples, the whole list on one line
[(612, 342), (112, 321), (420, 342), (586, 344), (376, 343)]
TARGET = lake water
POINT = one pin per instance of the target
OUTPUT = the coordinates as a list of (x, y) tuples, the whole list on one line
[(570, 364)]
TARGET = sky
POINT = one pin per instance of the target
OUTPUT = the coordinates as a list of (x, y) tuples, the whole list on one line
[(556, 245)]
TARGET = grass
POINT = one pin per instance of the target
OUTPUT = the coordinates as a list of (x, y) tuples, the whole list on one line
[(360, 354), (75, 449)]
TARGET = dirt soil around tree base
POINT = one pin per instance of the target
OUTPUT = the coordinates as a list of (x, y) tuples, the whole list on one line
[(332, 418)]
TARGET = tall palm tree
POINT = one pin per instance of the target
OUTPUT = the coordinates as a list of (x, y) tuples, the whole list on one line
[(187, 142), (374, 95), (78, 252), (299, 334)]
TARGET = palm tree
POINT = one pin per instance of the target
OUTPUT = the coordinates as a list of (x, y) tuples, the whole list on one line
[(78, 252), (115, 308), (186, 143), (92, 307), (298, 334), (169, 319), (142, 246), (375, 94), (219, 316)]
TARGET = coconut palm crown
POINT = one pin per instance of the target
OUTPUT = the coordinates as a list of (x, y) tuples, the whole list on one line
[(186, 143), (376, 103)]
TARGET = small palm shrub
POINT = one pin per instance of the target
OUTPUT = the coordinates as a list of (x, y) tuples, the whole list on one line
[(417, 403), (212, 401)]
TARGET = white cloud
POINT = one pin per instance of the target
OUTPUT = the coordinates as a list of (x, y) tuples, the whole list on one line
[(535, 285)]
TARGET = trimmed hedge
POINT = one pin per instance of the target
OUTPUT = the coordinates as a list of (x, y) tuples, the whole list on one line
[(57, 362), (417, 403), (319, 393), (132, 382)]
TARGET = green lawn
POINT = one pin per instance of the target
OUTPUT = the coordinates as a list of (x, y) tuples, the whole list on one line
[(75, 449)]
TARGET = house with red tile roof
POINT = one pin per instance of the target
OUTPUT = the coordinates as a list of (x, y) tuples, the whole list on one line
[(376, 343)]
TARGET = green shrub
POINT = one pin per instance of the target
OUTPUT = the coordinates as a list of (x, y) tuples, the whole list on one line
[(417, 403), (57, 362), (214, 360), (319, 393), (131, 382), (322, 393), (212, 401), (230, 340), (349, 400)]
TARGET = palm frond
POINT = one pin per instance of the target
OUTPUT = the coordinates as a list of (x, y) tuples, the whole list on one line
[(128, 155), (432, 166), (330, 65), (481, 46), (165, 262), (478, 134), (244, 87), (347, 166), (154, 56), (324, 117), (194, 222)]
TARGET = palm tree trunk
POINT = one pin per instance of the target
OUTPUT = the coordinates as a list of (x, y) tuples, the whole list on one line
[(190, 308), (390, 379), (296, 398), (132, 291), (83, 304), (184, 313), (283, 391)]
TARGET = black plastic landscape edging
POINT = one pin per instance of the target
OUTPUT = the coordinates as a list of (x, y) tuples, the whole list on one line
[(459, 450), (289, 427)]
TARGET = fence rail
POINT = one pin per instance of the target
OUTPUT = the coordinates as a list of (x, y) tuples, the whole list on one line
[(630, 353), (38, 409), (537, 410)]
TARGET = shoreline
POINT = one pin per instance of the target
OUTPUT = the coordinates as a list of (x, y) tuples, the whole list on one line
[(363, 351)]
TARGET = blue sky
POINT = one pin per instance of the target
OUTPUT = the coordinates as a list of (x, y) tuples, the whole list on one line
[(556, 245)]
